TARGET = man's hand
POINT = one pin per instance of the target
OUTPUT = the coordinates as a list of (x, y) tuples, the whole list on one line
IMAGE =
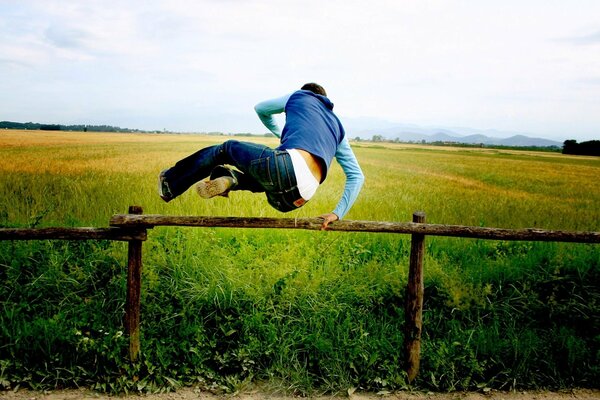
[(327, 219)]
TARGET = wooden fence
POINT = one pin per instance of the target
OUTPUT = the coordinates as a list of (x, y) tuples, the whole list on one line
[(132, 227)]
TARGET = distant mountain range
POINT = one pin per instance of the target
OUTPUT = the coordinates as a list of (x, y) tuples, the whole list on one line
[(366, 128)]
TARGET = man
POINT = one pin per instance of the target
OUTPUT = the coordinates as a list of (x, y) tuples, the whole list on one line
[(291, 173)]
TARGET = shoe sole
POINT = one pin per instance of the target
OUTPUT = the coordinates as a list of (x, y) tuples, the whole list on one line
[(215, 187)]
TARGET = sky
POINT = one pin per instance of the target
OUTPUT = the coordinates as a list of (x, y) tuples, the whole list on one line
[(526, 66)]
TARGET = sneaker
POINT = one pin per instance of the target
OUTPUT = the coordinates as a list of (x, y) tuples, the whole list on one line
[(163, 187), (215, 187)]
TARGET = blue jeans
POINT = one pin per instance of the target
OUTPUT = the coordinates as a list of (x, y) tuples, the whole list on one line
[(259, 169)]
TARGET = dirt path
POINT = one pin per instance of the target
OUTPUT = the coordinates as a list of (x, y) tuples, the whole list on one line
[(194, 394)]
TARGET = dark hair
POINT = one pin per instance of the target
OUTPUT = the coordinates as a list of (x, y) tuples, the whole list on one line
[(315, 88)]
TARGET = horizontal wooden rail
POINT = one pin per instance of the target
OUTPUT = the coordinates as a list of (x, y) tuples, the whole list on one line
[(530, 234), (121, 234)]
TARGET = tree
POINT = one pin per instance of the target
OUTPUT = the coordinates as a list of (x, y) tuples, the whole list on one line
[(589, 148)]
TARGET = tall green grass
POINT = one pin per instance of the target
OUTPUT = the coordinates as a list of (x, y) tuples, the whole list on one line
[(301, 311)]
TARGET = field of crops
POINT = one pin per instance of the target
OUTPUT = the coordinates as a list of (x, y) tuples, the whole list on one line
[(303, 311)]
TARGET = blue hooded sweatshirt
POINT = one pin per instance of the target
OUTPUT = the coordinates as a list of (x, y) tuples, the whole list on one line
[(311, 125)]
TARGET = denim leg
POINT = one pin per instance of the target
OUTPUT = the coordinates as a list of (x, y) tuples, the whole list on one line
[(261, 169), (199, 165)]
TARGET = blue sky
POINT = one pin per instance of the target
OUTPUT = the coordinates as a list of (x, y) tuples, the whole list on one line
[(523, 66)]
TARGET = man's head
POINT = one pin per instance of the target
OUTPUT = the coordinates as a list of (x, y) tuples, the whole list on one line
[(315, 88)]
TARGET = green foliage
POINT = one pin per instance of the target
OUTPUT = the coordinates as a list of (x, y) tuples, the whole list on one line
[(60, 313), (588, 148), (55, 127), (328, 324), (528, 319)]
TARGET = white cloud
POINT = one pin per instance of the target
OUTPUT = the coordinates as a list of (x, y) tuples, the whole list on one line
[(179, 64)]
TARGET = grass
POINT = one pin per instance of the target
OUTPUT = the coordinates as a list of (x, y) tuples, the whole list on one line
[(302, 311)]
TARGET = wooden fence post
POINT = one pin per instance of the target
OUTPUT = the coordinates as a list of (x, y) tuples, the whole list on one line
[(414, 301), (134, 281)]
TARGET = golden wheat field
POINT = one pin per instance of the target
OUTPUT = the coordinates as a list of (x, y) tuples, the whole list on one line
[(82, 178)]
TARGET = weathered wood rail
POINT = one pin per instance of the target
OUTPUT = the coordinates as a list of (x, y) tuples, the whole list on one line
[(118, 234), (132, 227), (529, 234)]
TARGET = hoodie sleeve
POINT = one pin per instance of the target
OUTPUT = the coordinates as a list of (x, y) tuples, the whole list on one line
[(266, 109), (354, 178)]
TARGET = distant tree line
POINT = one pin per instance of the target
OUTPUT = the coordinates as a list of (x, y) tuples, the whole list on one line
[(382, 139), (33, 126), (589, 148)]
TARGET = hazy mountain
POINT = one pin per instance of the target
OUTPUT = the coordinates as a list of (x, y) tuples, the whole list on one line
[(366, 128)]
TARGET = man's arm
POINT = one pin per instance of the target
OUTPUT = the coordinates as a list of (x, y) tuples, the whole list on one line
[(266, 109), (354, 182)]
